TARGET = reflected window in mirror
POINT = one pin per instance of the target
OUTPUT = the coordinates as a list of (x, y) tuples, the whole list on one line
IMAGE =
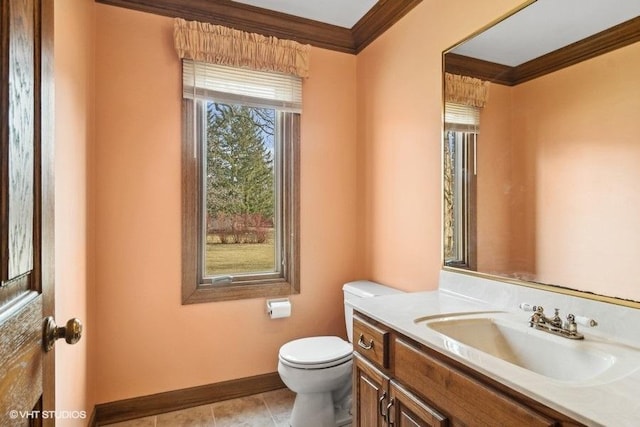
[(460, 145), (464, 98)]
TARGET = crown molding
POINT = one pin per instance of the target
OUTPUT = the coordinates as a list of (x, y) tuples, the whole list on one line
[(605, 41), (478, 68), (281, 25), (379, 19)]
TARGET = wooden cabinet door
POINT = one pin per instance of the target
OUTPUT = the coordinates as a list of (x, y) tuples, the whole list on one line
[(370, 394), (26, 210), (409, 411)]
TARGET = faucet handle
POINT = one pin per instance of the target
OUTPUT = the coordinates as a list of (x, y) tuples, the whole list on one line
[(585, 321), (538, 313), (571, 325), (537, 309), (525, 306)]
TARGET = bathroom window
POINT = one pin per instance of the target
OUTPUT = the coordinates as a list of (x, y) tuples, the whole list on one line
[(460, 171), (241, 132)]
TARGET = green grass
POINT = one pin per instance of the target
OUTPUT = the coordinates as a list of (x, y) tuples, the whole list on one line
[(239, 257)]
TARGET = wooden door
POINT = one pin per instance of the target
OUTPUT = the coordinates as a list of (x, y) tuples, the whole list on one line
[(408, 410), (26, 234), (370, 394)]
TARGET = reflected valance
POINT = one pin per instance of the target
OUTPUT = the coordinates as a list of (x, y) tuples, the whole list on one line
[(465, 90)]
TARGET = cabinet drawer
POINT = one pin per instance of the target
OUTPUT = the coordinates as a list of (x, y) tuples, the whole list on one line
[(464, 397), (371, 341)]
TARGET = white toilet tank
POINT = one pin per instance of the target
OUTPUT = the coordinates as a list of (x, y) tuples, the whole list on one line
[(361, 289)]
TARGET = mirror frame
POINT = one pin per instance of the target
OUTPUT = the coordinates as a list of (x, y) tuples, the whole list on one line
[(626, 34)]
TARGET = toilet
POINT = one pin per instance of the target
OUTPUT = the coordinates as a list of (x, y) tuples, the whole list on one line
[(319, 369)]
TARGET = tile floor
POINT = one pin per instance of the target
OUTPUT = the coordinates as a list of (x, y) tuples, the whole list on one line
[(271, 409)]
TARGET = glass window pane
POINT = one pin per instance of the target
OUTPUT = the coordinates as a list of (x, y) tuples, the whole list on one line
[(240, 191)]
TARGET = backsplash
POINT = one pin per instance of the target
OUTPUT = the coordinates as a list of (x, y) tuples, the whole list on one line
[(614, 321)]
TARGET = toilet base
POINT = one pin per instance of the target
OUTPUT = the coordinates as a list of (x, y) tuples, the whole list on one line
[(343, 418), (318, 410), (342, 401), (313, 410)]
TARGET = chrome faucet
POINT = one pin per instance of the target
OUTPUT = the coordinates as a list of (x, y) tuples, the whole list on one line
[(555, 325)]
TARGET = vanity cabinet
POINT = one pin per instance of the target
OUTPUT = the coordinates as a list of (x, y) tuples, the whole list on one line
[(380, 401), (400, 382)]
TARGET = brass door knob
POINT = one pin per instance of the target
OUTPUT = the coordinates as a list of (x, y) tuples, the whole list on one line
[(71, 332)]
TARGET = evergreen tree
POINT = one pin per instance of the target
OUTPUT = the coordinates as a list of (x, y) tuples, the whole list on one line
[(240, 183)]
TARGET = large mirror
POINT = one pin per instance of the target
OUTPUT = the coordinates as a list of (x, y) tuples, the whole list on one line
[(542, 148)]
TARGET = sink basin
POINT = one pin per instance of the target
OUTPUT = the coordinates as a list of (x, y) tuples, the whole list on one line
[(553, 357)]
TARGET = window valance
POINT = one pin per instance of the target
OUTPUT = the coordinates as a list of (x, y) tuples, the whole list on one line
[(466, 90), (220, 45)]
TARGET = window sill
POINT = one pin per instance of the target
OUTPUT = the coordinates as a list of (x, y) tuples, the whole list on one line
[(213, 293)]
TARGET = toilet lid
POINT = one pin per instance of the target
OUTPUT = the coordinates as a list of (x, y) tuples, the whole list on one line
[(316, 352)]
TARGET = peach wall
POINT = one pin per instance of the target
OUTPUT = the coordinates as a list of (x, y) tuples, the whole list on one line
[(506, 210), (581, 142), (399, 138), (73, 135), (571, 147), (146, 341), (371, 196), (494, 184)]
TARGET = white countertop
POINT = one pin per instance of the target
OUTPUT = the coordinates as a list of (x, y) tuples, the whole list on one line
[(610, 399)]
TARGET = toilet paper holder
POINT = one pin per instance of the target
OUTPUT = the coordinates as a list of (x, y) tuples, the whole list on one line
[(278, 308)]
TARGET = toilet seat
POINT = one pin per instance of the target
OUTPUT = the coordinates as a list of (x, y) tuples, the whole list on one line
[(315, 352)]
